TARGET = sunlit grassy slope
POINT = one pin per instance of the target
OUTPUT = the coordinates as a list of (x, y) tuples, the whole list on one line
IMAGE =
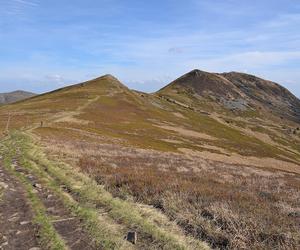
[(105, 107)]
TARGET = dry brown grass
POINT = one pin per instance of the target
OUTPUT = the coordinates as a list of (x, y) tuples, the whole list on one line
[(229, 206), (236, 159)]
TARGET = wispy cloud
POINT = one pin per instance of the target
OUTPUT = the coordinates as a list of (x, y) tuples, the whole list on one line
[(26, 3), (17, 7)]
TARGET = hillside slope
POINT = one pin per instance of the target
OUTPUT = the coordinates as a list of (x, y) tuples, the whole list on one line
[(106, 107), (181, 163), (6, 98)]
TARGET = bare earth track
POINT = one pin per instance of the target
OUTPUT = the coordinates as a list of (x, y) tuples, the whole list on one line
[(16, 228), (66, 225)]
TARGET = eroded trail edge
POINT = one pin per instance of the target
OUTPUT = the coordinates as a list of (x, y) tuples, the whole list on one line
[(17, 231)]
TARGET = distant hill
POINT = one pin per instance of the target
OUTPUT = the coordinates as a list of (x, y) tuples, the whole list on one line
[(235, 91), (6, 98)]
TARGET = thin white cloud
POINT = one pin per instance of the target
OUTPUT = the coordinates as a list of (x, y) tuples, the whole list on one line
[(16, 7), (27, 3), (56, 78)]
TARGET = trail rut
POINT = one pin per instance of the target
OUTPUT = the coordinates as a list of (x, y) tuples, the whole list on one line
[(16, 228)]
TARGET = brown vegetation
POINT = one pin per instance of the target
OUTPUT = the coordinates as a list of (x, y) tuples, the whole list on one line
[(229, 206)]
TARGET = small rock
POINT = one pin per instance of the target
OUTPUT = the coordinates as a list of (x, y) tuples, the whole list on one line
[(13, 219), (49, 196), (51, 210), (18, 232), (24, 223), (36, 185), (35, 248), (30, 177), (3, 185), (4, 244), (132, 237)]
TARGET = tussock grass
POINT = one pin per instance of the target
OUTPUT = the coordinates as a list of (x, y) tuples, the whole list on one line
[(227, 206)]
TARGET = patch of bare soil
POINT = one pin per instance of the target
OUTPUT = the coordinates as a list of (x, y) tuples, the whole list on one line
[(179, 115), (16, 228), (172, 141), (187, 132)]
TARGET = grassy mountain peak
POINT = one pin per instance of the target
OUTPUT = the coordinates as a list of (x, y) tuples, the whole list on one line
[(234, 91)]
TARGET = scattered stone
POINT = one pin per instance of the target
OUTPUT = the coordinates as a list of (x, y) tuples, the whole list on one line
[(3, 185), (14, 215), (36, 185), (49, 196), (18, 232), (35, 248), (51, 210), (13, 219), (132, 237), (30, 177), (22, 223), (4, 238), (4, 244)]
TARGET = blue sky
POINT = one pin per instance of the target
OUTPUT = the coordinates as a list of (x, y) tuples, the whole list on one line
[(46, 44)]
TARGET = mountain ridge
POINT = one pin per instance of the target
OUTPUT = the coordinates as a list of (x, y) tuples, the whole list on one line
[(14, 96), (237, 91)]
